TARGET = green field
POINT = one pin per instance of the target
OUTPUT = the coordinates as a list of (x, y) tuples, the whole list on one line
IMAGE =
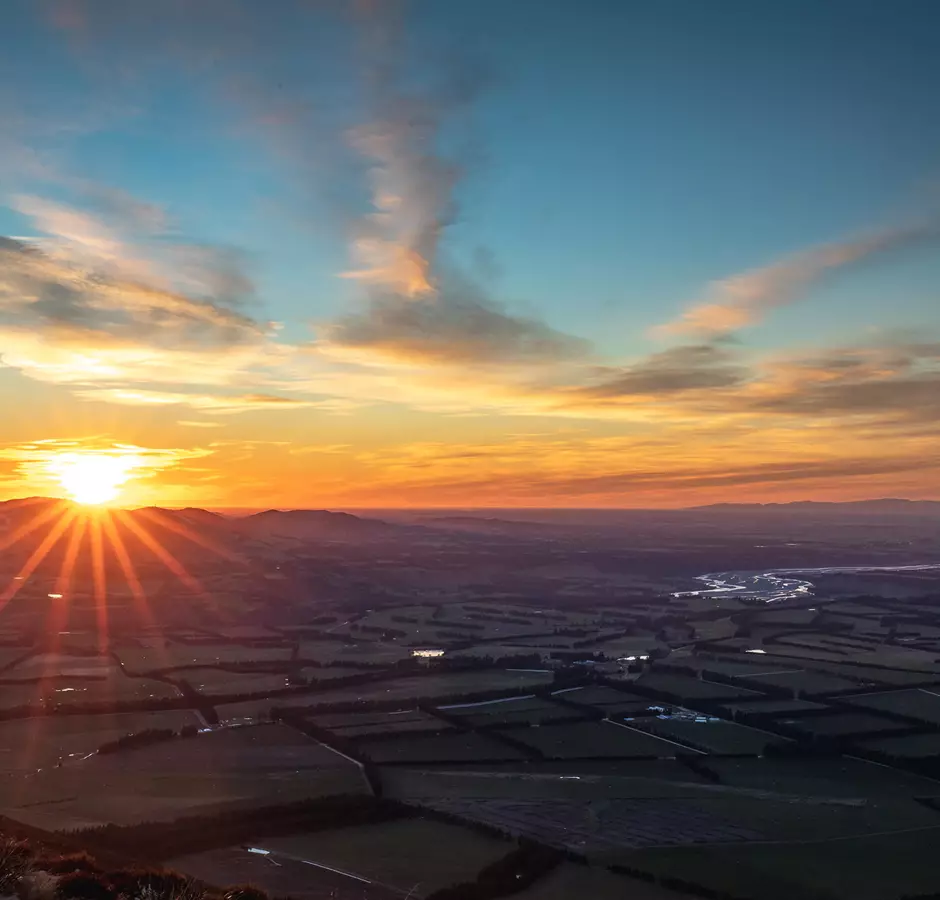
[(842, 724), (592, 739), (917, 704), (443, 748), (687, 689), (397, 853), (230, 768), (570, 881), (65, 692), (523, 711), (720, 737), (433, 685), (837, 777), (171, 655), (915, 746), (804, 682), (876, 868), (42, 741), (369, 724)]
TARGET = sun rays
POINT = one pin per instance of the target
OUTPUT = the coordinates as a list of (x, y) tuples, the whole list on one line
[(95, 539)]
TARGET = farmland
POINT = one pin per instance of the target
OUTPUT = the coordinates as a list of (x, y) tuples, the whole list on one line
[(232, 768), (711, 735), (579, 707), (923, 706), (590, 740)]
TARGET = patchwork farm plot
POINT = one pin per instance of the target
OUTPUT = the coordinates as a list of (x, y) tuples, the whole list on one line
[(843, 724), (44, 741), (230, 768), (362, 725), (682, 687), (589, 740), (915, 746), (397, 854), (919, 705), (519, 711), (115, 687), (711, 735), (467, 747)]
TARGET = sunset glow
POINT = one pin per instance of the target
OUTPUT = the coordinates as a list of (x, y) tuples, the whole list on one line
[(356, 270), (92, 479)]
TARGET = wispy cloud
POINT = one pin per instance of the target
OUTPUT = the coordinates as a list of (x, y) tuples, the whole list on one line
[(743, 300)]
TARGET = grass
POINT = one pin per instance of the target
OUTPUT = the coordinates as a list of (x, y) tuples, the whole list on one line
[(718, 737), (915, 746), (843, 724), (917, 704), (251, 766), (876, 868), (397, 853), (42, 741), (444, 748), (432, 685), (175, 655), (570, 880), (685, 688), (592, 739), (65, 692), (513, 712), (806, 682)]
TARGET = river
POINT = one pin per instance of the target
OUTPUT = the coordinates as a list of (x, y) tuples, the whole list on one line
[(781, 584)]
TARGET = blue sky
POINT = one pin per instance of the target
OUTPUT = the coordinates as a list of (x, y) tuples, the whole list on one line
[(596, 170)]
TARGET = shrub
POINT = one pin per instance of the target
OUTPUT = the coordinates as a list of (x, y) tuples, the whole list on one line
[(85, 886)]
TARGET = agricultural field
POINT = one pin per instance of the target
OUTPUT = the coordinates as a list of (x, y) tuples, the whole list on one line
[(916, 746), (29, 744), (842, 724), (884, 867), (591, 739), (839, 777), (570, 880), (228, 768), (173, 655), (61, 665), (922, 705), (685, 688), (442, 748), (353, 725), (775, 707), (520, 711), (209, 681), (396, 854), (803, 682), (289, 878), (712, 735), (434, 685), (64, 692), (602, 826)]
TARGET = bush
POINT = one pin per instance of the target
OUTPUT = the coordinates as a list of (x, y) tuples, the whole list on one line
[(85, 886), (68, 863), (14, 861), (245, 892)]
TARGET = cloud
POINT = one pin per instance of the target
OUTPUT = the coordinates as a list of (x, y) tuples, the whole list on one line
[(415, 309), (895, 383), (448, 329), (38, 464), (192, 423), (677, 370), (743, 300)]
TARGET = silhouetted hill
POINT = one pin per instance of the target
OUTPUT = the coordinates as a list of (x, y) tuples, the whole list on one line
[(312, 524)]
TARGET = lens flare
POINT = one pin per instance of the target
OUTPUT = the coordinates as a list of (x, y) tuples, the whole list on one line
[(93, 478)]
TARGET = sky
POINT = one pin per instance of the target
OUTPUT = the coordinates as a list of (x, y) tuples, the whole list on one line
[(377, 254)]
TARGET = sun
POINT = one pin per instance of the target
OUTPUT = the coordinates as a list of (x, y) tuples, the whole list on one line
[(93, 479)]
